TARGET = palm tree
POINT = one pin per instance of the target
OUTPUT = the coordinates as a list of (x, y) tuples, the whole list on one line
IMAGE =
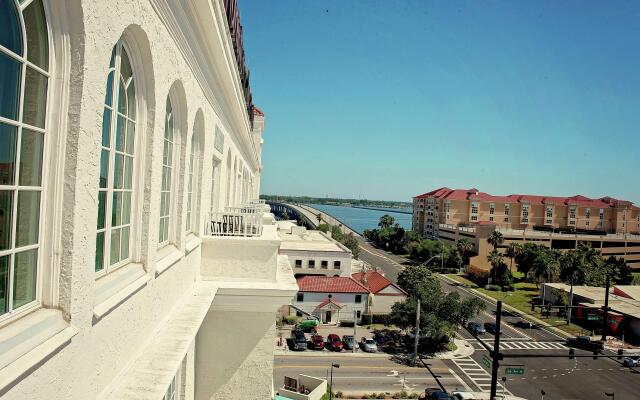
[(464, 247), (319, 217), (573, 270), (386, 221), (513, 249), (495, 259), (495, 239)]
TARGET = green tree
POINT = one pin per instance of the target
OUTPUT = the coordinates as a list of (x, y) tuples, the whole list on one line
[(285, 215), (336, 233), (495, 239), (546, 266), (526, 256), (351, 243), (619, 270), (324, 228), (386, 221), (465, 247), (513, 249), (411, 276)]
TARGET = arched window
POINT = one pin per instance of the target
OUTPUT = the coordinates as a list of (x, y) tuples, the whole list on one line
[(167, 169), (113, 238), (193, 177), (24, 76)]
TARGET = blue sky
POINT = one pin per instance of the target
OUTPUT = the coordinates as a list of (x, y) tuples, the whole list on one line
[(390, 99)]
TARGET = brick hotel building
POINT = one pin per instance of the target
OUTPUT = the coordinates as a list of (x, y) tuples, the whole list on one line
[(559, 222)]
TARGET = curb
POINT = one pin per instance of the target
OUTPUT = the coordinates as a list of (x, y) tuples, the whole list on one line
[(513, 310)]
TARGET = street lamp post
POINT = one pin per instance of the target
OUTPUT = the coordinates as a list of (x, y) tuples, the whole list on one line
[(436, 256), (331, 381)]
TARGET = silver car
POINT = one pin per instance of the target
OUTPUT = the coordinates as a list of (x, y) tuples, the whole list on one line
[(368, 345), (631, 361)]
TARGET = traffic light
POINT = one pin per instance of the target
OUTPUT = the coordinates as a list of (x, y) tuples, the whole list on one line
[(572, 353), (620, 353)]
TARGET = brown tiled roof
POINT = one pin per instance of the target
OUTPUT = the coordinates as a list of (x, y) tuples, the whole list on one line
[(330, 284)]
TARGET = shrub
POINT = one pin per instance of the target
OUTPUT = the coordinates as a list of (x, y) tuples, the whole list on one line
[(290, 319), (477, 275), (338, 395), (493, 288), (377, 318), (346, 324)]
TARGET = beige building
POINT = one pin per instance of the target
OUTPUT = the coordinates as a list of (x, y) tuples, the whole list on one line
[(609, 225)]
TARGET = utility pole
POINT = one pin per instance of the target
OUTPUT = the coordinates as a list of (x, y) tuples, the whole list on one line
[(353, 347), (570, 302), (415, 343), (605, 318), (495, 354)]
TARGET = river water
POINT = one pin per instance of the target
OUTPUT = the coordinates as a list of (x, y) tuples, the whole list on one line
[(360, 219)]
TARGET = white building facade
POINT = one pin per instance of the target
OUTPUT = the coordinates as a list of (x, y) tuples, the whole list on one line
[(134, 261), (332, 299)]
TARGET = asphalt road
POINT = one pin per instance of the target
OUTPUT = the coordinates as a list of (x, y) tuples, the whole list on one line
[(367, 375)]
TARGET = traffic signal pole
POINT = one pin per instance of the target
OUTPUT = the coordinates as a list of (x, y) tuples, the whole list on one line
[(605, 317), (495, 354)]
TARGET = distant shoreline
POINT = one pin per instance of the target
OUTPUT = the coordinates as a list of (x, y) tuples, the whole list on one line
[(382, 205)]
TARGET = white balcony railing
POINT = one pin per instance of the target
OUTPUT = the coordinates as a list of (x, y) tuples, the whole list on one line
[(235, 221)]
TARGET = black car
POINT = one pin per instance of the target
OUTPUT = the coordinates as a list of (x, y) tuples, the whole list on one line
[(436, 394), (476, 328), (585, 343), (298, 340), (491, 327), (348, 341)]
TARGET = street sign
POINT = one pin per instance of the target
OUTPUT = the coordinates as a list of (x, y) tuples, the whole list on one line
[(593, 317), (514, 371), (486, 361)]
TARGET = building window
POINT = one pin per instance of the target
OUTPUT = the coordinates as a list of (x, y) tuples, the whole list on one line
[(171, 390), (336, 265), (525, 213), (491, 218), (167, 168), (300, 297), (358, 313), (190, 181), (113, 238), (298, 263), (324, 264), (358, 298), (214, 184), (474, 208), (474, 217), (506, 219), (572, 213), (549, 215), (22, 137), (601, 214), (492, 208), (507, 208), (312, 263), (447, 207)]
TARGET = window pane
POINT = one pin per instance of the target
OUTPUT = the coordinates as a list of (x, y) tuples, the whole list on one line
[(131, 135), (115, 246), (116, 209), (28, 218), (125, 65), (35, 98), (4, 284), (122, 98), (9, 85), (112, 60), (166, 229), (108, 96), (166, 173), (10, 35), (6, 210), (31, 158), (100, 251), (118, 171), (161, 237), (104, 168), (120, 133), (126, 207), (131, 99), (106, 127), (36, 27), (102, 204), (124, 243), (8, 143), (24, 280), (128, 172)]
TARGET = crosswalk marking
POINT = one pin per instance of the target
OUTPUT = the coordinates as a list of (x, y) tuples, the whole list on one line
[(521, 345), (476, 374)]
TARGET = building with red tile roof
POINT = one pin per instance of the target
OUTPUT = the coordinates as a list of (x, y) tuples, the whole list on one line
[(330, 284)]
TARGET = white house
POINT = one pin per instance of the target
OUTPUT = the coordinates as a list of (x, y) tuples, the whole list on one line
[(313, 252), (383, 292), (331, 298), (135, 262)]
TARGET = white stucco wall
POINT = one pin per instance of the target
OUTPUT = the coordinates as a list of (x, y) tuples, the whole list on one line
[(318, 257), (347, 300), (84, 32)]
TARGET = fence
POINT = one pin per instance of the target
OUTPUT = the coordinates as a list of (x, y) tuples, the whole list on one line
[(235, 221)]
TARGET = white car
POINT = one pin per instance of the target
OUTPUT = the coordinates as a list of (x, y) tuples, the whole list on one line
[(631, 361), (368, 345)]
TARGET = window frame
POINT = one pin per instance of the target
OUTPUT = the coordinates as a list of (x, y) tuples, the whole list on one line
[(337, 264), (173, 187), (138, 162), (47, 199), (299, 297), (357, 299)]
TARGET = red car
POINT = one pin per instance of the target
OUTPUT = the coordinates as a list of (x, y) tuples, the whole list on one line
[(316, 342), (334, 343)]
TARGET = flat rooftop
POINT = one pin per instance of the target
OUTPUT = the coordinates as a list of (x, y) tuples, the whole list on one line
[(298, 238)]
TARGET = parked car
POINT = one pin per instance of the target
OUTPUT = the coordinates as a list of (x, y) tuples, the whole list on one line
[(368, 345), (631, 361), (491, 327), (476, 328), (348, 341), (298, 340), (308, 325), (334, 343), (316, 342), (585, 343), (463, 396), (436, 394)]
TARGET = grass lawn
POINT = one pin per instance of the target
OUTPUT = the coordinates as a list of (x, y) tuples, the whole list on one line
[(519, 299)]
